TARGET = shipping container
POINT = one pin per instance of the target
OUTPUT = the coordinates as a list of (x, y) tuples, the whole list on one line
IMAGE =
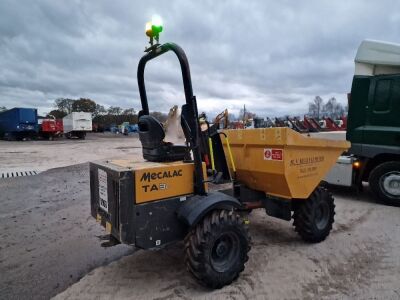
[(18, 123), (76, 124)]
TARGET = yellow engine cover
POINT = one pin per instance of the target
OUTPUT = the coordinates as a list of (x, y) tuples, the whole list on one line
[(155, 181)]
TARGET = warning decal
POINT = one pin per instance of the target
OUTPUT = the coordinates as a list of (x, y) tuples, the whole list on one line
[(273, 154), (103, 193)]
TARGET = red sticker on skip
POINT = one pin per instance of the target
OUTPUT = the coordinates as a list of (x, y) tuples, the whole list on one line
[(273, 154)]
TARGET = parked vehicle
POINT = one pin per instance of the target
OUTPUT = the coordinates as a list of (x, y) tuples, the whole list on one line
[(18, 123), (331, 125), (311, 124), (59, 126), (167, 199), (133, 128), (124, 128), (76, 124), (341, 123), (98, 127), (49, 129), (373, 123)]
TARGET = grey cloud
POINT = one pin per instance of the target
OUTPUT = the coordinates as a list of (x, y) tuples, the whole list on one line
[(272, 56)]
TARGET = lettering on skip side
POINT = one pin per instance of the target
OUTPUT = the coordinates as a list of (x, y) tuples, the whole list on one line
[(148, 177), (307, 165), (306, 160)]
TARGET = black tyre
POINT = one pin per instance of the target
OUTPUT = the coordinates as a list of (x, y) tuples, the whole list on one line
[(313, 218), (81, 135), (384, 181), (216, 249)]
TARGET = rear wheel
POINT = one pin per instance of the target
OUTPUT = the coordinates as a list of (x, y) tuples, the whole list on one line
[(384, 181), (314, 217), (216, 249)]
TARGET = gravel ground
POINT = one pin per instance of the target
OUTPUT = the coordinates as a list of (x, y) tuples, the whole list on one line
[(49, 240), (43, 155), (359, 260), (50, 246)]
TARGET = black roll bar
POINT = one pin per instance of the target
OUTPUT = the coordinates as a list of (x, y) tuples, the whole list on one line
[(191, 104)]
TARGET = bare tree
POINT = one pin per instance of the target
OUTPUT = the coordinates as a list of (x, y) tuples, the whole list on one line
[(315, 107), (333, 109), (129, 111), (245, 114), (114, 110)]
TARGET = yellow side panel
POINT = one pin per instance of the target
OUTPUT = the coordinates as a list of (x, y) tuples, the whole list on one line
[(280, 161), (163, 181)]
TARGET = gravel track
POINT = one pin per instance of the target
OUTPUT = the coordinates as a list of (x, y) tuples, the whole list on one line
[(50, 246)]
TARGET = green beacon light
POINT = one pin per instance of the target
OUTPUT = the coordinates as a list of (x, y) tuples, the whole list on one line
[(153, 29), (156, 24)]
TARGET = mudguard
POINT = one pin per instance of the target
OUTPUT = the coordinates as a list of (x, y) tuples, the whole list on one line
[(196, 207)]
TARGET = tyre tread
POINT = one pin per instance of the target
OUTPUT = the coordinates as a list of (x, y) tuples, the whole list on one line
[(303, 221), (195, 243)]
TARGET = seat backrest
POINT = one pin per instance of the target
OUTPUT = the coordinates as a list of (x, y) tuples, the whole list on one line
[(151, 132)]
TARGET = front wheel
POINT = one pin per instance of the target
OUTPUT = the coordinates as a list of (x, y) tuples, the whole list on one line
[(313, 217), (384, 181), (216, 249)]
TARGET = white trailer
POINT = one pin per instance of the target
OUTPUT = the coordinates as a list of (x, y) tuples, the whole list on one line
[(76, 124)]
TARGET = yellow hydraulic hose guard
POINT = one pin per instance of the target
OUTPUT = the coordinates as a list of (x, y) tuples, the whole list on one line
[(211, 154)]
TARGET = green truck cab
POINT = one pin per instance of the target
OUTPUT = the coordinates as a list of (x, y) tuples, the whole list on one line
[(374, 118)]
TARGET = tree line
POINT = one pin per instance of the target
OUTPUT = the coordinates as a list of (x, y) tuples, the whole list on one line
[(101, 116), (332, 109), (117, 115)]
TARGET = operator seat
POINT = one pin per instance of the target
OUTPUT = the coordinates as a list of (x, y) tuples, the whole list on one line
[(151, 135)]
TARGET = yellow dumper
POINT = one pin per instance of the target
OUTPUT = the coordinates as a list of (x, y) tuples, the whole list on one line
[(176, 194)]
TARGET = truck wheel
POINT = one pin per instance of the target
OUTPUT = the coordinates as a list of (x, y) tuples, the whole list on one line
[(314, 217), (216, 249), (384, 181)]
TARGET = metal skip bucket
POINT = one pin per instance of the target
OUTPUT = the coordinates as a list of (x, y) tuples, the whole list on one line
[(280, 161)]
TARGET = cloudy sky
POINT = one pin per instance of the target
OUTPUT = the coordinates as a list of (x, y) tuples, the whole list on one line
[(273, 56)]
